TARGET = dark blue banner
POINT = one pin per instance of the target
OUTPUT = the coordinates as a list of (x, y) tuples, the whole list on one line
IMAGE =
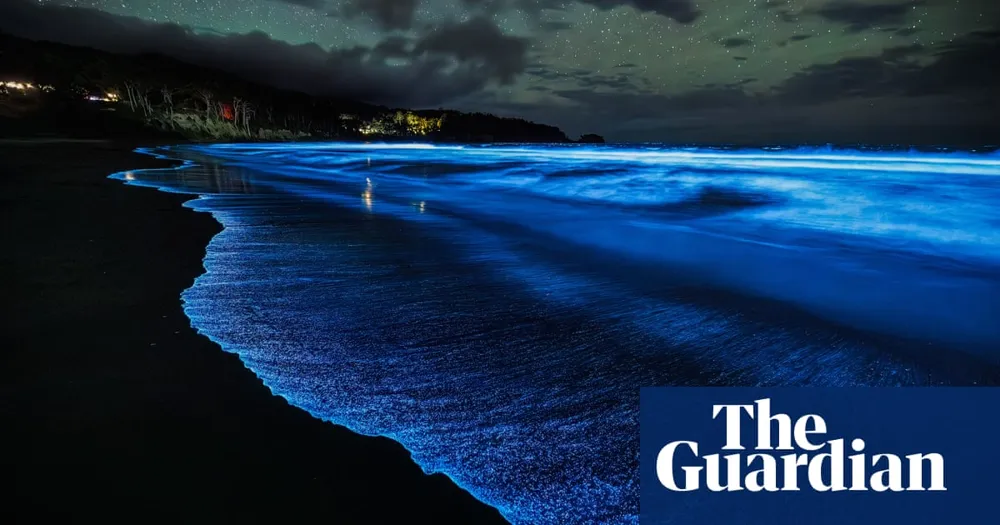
[(805, 456)]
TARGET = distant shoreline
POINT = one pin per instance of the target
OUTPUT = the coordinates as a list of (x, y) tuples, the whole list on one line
[(42, 132)]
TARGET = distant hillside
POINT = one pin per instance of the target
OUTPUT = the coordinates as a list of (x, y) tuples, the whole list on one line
[(50, 86)]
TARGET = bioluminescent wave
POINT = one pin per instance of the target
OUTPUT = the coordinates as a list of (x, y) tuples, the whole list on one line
[(496, 309)]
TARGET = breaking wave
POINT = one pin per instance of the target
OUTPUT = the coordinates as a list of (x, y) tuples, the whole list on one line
[(496, 309)]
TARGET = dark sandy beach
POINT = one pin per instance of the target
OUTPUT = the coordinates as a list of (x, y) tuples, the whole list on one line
[(114, 408)]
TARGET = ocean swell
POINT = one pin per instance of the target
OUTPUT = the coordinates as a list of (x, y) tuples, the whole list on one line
[(496, 309)]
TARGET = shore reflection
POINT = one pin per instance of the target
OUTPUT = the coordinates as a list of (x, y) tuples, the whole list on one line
[(367, 195)]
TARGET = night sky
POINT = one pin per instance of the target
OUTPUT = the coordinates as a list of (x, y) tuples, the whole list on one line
[(646, 70)]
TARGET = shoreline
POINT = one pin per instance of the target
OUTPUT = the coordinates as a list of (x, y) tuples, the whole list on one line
[(179, 163), (119, 408)]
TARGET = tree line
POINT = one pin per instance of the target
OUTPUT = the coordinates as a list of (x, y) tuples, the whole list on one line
[(202, 103)]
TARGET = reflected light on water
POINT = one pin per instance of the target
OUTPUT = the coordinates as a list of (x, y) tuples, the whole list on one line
[(367, 195)]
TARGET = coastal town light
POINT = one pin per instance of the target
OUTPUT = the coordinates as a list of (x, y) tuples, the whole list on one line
[(19, 86), (8, 86), (107, 97)]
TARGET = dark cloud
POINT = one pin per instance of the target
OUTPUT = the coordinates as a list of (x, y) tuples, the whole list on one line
[(727, 115), (907, 31), (643, 104), (438, 65), (639, 111), (729, 85), (898, 95), (682, 11), (788, 16), (312, 4), (541, 72), (627, 65), (388, 14), (551, 26), (481, 42), (794, 38), (902, 52), (961, 67), (621, 83), (534, 8), (857, 16), (956, 69), (741, 59), (583, 79), (925, 120), (537, 6), (773, 4), (846, 78), (736, 42), (393, 47)]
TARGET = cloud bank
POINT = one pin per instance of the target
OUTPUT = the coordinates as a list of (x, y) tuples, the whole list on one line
[(437, 65)]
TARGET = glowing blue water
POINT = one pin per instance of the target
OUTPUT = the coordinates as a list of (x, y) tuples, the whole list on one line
[(495, 309)]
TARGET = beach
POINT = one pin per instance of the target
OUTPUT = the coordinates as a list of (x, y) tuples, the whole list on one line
[(115, 408), (491, 310)]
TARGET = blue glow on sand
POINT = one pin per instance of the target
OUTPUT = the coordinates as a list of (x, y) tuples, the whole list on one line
[(496, 308)]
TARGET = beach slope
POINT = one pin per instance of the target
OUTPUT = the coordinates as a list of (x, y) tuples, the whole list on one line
[(113, 407)]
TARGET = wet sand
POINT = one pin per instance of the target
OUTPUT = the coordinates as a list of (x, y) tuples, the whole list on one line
[(114, 408)]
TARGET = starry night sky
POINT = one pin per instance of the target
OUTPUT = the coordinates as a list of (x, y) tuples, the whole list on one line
[(646, 70)]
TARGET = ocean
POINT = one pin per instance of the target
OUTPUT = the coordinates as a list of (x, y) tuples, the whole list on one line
[(495, 309)]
